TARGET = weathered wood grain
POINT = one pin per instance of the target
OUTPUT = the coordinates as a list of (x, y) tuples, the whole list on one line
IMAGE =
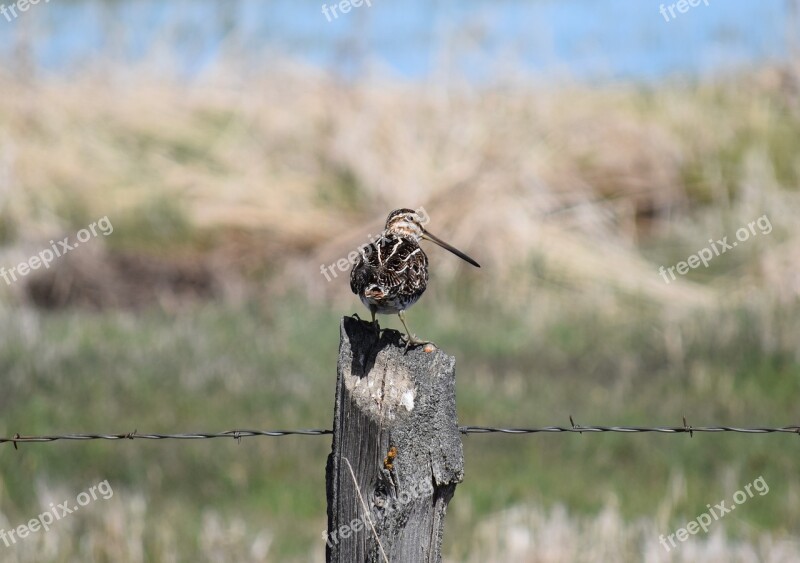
[(395, 422)]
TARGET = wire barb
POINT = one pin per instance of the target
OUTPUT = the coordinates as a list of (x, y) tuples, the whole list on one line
[(574, 426)]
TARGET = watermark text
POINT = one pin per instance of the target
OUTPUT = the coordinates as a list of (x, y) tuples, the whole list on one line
[(682, 6), (56, 512), (716, 512), (57, 249), (343, 7), (343, 264), (12, 12), (717, 248)]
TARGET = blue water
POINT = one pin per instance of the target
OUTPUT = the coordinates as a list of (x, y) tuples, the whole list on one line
[(476, 39)]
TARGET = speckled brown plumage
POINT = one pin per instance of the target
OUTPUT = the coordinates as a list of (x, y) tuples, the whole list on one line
[(392, 273)]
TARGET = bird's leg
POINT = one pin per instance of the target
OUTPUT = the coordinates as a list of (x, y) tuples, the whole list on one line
[(411, 339), (374, 310)]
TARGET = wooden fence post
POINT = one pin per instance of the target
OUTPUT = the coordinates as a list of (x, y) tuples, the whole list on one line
[(395, 436)]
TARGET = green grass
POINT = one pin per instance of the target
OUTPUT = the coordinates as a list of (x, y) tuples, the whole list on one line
[(215, 368)]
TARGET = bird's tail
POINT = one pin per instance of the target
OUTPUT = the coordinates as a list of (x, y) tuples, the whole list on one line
[(374, 291)]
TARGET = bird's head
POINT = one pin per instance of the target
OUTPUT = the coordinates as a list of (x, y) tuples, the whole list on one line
[(405, 223), (409, 223)]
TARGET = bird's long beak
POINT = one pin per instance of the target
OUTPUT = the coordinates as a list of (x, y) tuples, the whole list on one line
[(427, 236)]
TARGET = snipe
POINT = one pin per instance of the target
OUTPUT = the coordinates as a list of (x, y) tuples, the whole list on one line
[(392, 273)]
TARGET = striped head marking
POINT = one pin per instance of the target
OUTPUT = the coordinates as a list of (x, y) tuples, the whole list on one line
[(405, 223)]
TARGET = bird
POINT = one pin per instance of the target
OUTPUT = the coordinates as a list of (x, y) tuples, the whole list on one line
[(391, 273)]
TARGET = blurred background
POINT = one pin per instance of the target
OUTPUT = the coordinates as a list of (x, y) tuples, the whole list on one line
[(239, 147)]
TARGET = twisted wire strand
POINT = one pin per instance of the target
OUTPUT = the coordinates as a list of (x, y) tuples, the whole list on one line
[(239, 434), (629, 429)]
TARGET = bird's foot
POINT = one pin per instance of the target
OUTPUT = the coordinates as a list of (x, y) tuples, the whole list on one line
[(413, 341)]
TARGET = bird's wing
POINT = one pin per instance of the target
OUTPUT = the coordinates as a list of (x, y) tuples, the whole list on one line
[(360, 271)]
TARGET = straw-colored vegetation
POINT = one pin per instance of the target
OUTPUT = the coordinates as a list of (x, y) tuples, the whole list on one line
[(206, 308)]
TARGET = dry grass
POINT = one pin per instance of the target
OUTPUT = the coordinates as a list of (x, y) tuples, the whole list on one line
[(572, 179), (115, 531), (531, 535)]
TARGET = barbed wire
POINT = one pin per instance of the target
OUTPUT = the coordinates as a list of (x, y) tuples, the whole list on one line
[(239, 434), (629, 429), (135, 435)]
